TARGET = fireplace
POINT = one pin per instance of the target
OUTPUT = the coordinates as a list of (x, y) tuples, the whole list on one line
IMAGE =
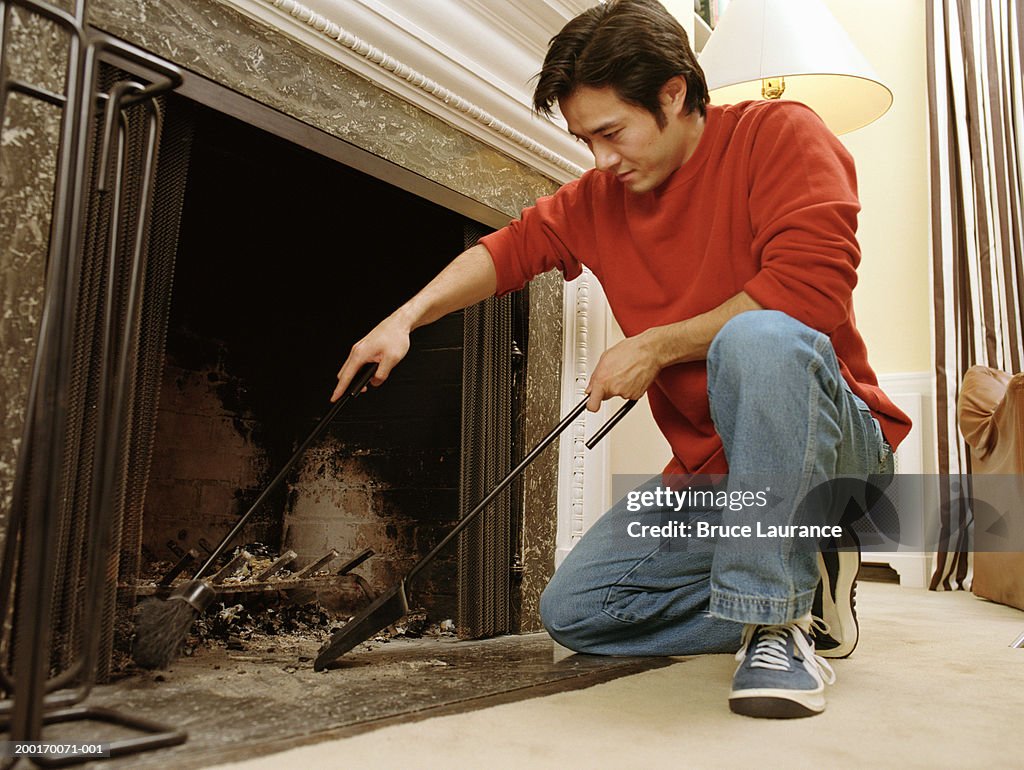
[(265, 261), (275, 170), (265, 304)]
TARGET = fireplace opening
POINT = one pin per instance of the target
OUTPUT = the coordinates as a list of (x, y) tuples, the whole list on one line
[(285, 258)]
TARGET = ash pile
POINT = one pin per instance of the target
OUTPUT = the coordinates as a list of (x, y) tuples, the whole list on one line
[(262, 601)]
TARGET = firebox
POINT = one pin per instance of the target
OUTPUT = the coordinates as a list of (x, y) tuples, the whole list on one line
[(283, 259)]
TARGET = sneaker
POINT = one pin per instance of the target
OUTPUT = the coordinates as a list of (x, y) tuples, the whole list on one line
[(835, 601), (779, 676)]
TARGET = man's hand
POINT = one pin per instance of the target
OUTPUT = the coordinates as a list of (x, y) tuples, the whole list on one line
[(626, 369), (468, 279), (387, 344)]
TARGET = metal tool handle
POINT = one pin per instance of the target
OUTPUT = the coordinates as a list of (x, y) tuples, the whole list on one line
[(466, 520), (603, 430), (360, 381)]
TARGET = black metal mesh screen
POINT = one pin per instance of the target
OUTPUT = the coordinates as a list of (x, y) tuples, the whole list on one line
[(103, 249), (486, 546), (169, 194)]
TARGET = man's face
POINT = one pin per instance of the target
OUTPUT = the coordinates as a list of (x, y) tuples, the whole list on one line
[(625, 139)]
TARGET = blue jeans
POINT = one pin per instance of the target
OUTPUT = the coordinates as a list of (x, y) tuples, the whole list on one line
[(785, 413)]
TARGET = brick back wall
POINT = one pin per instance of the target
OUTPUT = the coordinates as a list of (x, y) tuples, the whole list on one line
[(388, 478), (208, 466), (385, 476)]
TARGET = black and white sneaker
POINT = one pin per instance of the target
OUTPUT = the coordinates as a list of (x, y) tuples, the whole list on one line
[(835, 601), (779, 675)]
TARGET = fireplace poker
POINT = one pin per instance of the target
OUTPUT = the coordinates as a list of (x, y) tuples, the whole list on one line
[(180, 566), (161, 625), (393, 604)]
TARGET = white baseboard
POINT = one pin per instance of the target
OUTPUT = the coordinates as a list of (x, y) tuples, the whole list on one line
[(914, 569), (914, 393)]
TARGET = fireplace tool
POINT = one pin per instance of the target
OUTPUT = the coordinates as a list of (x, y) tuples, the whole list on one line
[(162, 624), (393, 604)]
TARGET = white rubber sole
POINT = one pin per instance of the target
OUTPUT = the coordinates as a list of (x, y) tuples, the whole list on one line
[(841, 619)]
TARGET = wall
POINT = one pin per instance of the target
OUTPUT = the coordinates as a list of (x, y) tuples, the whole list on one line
[(892, 300)]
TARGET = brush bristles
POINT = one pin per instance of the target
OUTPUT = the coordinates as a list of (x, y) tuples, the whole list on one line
[(161, 626)]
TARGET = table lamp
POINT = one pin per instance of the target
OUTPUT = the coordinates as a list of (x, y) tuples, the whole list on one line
[(792, 49)]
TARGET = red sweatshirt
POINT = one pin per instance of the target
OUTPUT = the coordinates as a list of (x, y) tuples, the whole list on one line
[(767, 204)]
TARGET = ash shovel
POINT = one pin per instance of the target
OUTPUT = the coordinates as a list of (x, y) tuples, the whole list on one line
[(393, 604)]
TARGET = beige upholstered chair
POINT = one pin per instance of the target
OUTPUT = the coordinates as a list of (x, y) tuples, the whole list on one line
[(990, 413)]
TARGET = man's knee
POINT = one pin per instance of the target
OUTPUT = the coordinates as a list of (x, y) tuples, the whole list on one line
[(755, 332), (759, 340), (571, 619), (557, 616)]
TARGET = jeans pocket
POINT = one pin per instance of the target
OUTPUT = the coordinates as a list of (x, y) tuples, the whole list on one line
[(877, 439)]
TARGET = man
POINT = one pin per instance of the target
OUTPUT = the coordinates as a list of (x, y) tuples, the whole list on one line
[(724, 238)]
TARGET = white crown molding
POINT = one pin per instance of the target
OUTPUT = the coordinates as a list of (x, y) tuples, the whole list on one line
[(468, 62)]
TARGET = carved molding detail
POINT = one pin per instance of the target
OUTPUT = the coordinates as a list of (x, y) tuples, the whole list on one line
[(579, 333), (334, 32), (581, 373)]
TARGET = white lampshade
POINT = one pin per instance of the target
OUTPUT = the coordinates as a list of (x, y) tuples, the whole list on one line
[(801, 42)]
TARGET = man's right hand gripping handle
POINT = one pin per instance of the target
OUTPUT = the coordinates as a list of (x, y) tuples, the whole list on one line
[(469, 279), (386, 345)]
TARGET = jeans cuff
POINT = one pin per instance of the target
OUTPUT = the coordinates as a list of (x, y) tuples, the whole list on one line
[(759, 609)]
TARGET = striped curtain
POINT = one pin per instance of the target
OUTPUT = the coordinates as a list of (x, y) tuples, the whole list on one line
[(975, 83)]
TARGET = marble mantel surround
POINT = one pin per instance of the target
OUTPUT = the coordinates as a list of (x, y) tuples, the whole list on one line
[(470, 62), (286, 55), (455, 111)]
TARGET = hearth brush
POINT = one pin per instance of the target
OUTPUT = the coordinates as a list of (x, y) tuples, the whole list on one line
[(161, 625), (393, 604)]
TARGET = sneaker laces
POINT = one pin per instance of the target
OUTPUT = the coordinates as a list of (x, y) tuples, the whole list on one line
[(819, 627), (772, 652)]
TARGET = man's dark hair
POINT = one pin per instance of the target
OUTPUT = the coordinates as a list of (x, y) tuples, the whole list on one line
[(634, 46)]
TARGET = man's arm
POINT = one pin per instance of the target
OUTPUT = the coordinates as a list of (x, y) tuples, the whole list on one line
[(468, 279), (628, 368)]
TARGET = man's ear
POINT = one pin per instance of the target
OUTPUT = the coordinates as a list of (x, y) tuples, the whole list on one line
[(673, 95)]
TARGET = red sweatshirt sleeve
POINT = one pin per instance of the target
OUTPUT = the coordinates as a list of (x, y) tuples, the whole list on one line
[(547, 235), (803, 210)]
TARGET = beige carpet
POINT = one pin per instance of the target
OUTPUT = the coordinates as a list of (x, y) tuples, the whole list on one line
[(932, 684)]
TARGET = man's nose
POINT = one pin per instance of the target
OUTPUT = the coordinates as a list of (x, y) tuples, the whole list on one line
[(605, 159)]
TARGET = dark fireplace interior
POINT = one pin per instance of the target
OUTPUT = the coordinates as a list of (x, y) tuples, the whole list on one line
[(284, 260)]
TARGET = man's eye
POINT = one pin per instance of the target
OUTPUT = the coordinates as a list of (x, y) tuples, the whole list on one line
[(612, 134)]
